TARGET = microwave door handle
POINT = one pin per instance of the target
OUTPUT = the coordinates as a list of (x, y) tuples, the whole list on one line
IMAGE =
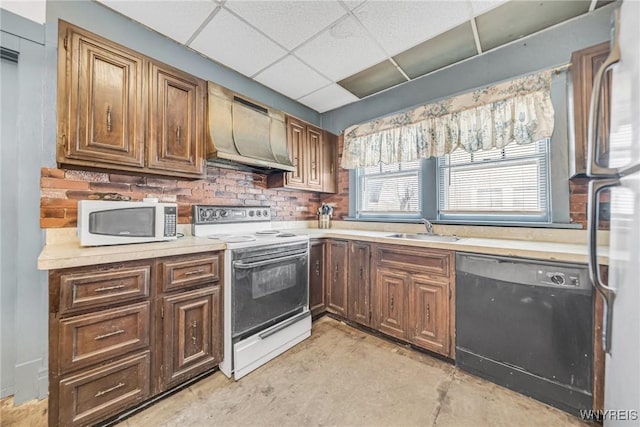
[(594, 169), (246, 265), (607, 292)]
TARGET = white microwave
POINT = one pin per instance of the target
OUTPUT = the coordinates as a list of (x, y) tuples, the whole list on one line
[(103, 222)]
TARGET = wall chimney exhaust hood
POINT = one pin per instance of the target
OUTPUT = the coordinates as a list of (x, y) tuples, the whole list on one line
[(244, 134)]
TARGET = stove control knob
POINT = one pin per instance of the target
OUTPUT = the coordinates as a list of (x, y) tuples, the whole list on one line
[(265, 212), (224, 213), (251, 213), (557, 278), (258, 213)]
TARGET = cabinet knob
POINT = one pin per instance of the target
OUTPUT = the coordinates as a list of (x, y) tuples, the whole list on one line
[(317, 267), (194, 330), (178, 132), (428, 313)]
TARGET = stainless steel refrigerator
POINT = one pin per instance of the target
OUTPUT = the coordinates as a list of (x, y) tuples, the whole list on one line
[(620, 175)]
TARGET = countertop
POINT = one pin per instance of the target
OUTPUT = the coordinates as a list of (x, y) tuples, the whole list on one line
[(65, 253)]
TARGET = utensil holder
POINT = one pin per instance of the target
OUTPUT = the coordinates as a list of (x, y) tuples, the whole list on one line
[(324, 221)]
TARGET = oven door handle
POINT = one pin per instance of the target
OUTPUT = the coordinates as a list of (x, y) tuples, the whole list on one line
[(246, 265)]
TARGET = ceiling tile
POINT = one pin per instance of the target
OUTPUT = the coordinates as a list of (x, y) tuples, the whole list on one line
[(447, 48), (374, 79), (341, 50), (175, 19), (352, 4), (292, 78), (481, 6), (400, 25), (328, 98), (235, 44), (514, 20), (288, 22)]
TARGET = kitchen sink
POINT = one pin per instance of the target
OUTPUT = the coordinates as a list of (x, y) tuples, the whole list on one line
[(425, 236)]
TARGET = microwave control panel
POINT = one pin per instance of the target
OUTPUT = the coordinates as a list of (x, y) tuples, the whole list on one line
[(170, 220)]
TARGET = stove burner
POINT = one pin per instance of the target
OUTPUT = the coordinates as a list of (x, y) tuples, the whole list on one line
[(267, 232), (286, 235)]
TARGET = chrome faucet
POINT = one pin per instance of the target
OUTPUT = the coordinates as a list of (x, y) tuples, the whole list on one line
[(427, 225)]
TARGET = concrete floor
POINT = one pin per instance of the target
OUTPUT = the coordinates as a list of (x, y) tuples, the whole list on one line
[(341, 376)]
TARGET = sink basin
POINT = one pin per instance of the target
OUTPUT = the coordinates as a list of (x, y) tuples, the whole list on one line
[(425, 236)]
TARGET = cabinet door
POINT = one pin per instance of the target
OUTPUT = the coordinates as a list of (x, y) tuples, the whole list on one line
[(329, 169), (585, 64), (313, 150), (176, 122), (359, 283), (391, 300), (337, 283), (317, 302), (192, 334), (429, 312), (295, 142), (100, 102)]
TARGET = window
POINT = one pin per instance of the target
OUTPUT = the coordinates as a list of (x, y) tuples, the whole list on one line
[(389, 190), (508, 184)]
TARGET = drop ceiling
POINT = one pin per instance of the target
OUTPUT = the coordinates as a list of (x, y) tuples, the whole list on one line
[(326, 54)]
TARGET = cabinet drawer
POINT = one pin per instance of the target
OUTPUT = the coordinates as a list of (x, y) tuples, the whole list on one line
[(189, 271), (99, 393), (414, 260), (92, 338), (92, 289)]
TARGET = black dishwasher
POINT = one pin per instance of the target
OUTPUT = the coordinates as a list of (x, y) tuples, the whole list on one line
[(527, 325)]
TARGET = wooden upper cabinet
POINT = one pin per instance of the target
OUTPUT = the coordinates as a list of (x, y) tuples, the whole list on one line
[(296, 141), (118, 109), (176, 113), (314, 158), (329, 169), (584, 65), (312, 151), (100, 99)]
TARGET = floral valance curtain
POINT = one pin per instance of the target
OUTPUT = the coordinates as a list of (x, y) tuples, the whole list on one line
[(518, 111)]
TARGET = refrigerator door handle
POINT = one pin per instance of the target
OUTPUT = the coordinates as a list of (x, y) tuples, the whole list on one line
[(593, 217), (594, 169)]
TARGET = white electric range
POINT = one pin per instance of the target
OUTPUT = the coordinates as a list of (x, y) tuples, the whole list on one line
[(266, 280)]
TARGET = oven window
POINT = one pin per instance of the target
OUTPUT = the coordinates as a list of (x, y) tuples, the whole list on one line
[(134, 222), (273, 280), (267, 291)]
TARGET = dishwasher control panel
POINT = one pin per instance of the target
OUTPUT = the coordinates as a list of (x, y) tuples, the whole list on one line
[(558, 278)]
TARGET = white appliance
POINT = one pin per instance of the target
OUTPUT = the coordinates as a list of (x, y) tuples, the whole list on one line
[(102, 222), (621, 174), (266, 276)]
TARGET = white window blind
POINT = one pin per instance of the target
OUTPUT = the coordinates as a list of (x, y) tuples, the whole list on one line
[(511, 183), (389, 190)]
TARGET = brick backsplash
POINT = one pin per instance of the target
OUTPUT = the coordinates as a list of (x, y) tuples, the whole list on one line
[(578, 195), (62, 188)]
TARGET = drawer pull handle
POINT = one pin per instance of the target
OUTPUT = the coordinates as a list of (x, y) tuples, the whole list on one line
[(191, 273), (108, 118), (109, 390), (109, 288), (110, 334), (194, 332)]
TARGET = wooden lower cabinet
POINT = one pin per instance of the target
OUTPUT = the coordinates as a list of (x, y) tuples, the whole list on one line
[(391, 301), (359, 283), (338, 253), (317, 260), (116, 337), (191, 335), (429, 312)]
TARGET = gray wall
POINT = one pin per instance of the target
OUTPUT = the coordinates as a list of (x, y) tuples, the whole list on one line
[(23, 289), (543, 50), (28, 119)]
